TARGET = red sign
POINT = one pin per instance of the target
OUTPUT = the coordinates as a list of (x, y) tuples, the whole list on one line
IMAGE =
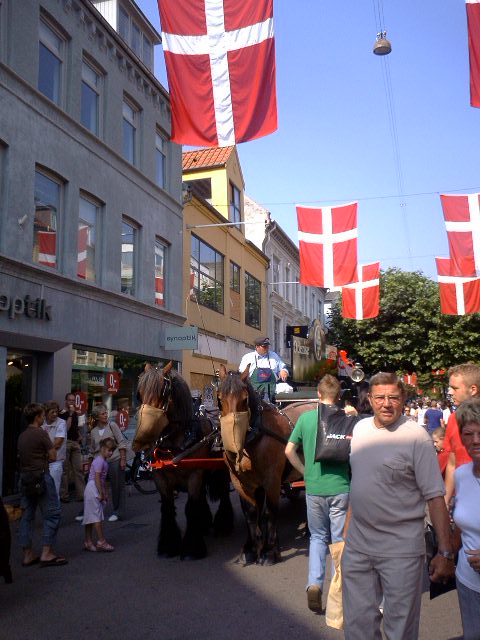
[(122, 419), (81, 401), (112, 382)]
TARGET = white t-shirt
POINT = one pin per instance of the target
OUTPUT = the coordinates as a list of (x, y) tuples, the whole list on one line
[(467, 518), (58, 429), (394, 472), (270, 360)]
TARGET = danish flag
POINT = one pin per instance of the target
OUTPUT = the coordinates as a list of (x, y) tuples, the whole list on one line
[(47, 248), (220, 59), (82, 251), (458, 295), (462, 221), (159, 291), (361, 300), (328, 245), (473, 21)]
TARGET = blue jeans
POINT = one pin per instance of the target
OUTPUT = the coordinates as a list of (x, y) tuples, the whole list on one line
[(49, 505), (326, 517), (469, 601)]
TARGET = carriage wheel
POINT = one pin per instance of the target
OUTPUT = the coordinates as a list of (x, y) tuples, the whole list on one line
[(142, 476)]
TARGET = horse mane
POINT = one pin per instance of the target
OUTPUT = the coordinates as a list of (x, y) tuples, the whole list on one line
[(233, 384)]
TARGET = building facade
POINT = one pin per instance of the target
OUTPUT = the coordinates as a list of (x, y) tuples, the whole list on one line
[(225, 288), (290, 303), (90, 209)]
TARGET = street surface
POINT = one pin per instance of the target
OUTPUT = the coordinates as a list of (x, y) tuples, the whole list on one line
[(131, 594)]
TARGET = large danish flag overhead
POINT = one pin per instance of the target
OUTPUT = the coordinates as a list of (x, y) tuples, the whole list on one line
[(462, 221), (220, 58), (458, 295), (328, 245), (361, 300), (473, 21)]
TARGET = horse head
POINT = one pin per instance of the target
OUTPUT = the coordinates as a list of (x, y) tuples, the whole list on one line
[(237, 401), (154, 388)]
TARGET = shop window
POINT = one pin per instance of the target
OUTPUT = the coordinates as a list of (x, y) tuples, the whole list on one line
[(206, 267), (50, 62), (160, 288), (92, 84), (47, 193), (129, 240), (131, 117), (160, 159), (253, 301), (87, 239)]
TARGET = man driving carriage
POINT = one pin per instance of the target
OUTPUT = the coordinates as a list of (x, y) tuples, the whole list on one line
[(266, 367)]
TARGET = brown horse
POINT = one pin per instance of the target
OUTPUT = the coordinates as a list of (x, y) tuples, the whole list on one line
[(254, 435), (189, 435)]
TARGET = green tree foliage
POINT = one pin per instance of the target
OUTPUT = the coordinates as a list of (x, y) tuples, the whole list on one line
[(410, 334)]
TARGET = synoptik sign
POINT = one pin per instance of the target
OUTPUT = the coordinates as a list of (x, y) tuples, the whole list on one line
[(35, 308), (181, 338)]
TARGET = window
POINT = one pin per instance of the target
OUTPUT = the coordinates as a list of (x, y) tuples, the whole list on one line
[(276, 274), (276, 334), (320, 309), (235, 208), (160, 250), (287, 284), (45, 225), (160, 160), (147, 54), (234, 277), (87, 239), (206, 268), (136, 40), (51, 52), (253, 301), (129, 239), (296, 290), (134, 37), (130, 120), (90, 108), (123, 24)]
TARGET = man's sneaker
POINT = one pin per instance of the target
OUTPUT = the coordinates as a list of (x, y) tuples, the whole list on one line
[(79, 518), (314, 598), (113, 518)]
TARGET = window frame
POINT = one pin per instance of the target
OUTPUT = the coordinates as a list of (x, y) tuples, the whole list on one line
[(47, 175), (234, 276), (161, 152), (134, 123), (98, 89), (86, 197), (59, 54), (235, 211), (163, 302), (213, 300), (132, 289), (251, 306)]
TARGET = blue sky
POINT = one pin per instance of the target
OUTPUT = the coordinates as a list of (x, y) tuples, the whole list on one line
[(334, 142)]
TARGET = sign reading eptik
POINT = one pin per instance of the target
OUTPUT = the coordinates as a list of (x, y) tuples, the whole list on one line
[(36, 308)]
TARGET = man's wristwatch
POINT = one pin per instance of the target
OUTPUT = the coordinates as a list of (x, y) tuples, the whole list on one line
[(449, 555)]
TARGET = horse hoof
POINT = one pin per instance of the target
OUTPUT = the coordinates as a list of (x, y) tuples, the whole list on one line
[(191, 556), (246, 558)]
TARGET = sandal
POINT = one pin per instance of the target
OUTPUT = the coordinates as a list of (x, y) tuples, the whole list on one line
[(89, 546), (104, 546)]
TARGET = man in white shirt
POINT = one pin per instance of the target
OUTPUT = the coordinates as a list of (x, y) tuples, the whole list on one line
[(265, 368), (57, 432)]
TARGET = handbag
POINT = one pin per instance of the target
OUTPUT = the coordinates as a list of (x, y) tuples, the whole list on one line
[(334, 433), (32, 483), (334, 608)]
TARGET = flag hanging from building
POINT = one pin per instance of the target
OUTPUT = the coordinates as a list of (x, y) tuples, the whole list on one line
[(328, 245), (82, 251), (220, 59), (458, 295), (159, 291), (361, 300), (462, 221), (473, 21), (47, 248)]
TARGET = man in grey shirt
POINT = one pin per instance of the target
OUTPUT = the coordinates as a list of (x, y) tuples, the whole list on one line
[(394, 473)]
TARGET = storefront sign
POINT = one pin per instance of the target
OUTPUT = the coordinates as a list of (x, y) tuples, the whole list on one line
[(80, 401), (113, 382), (181, 338), (37, 308), (122, 419), (96, 379)]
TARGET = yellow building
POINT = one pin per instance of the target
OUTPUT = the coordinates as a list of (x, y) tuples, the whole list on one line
[(225, 274)]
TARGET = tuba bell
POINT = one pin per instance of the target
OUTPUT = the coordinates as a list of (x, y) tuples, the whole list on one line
[(357, 374)]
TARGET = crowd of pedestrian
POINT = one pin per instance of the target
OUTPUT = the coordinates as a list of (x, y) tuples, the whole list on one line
[(57, 450), (410, 464)]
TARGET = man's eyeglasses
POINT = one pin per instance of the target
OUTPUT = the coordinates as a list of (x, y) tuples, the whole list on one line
[(393, 399)]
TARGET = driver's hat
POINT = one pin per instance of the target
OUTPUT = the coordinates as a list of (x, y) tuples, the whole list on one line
[(262, 342)]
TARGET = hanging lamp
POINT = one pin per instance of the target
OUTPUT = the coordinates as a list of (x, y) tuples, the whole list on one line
[(382, 46)]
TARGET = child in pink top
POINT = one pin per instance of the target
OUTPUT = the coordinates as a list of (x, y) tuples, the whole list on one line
[(95, 497)]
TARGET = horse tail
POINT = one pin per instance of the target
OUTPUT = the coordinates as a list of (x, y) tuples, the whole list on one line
[(217, 483)]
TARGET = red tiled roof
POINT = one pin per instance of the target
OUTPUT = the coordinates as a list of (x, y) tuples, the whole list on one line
[(203, 158)]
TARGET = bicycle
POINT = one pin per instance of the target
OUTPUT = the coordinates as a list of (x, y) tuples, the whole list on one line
[(140, 474)]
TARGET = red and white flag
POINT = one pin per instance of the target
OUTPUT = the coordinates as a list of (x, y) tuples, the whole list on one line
[(159, 291), (82, 251), (361, 300), (462, 221), (47, 248), (458, 295), (328, 245), (473, 21), (220, 59)]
